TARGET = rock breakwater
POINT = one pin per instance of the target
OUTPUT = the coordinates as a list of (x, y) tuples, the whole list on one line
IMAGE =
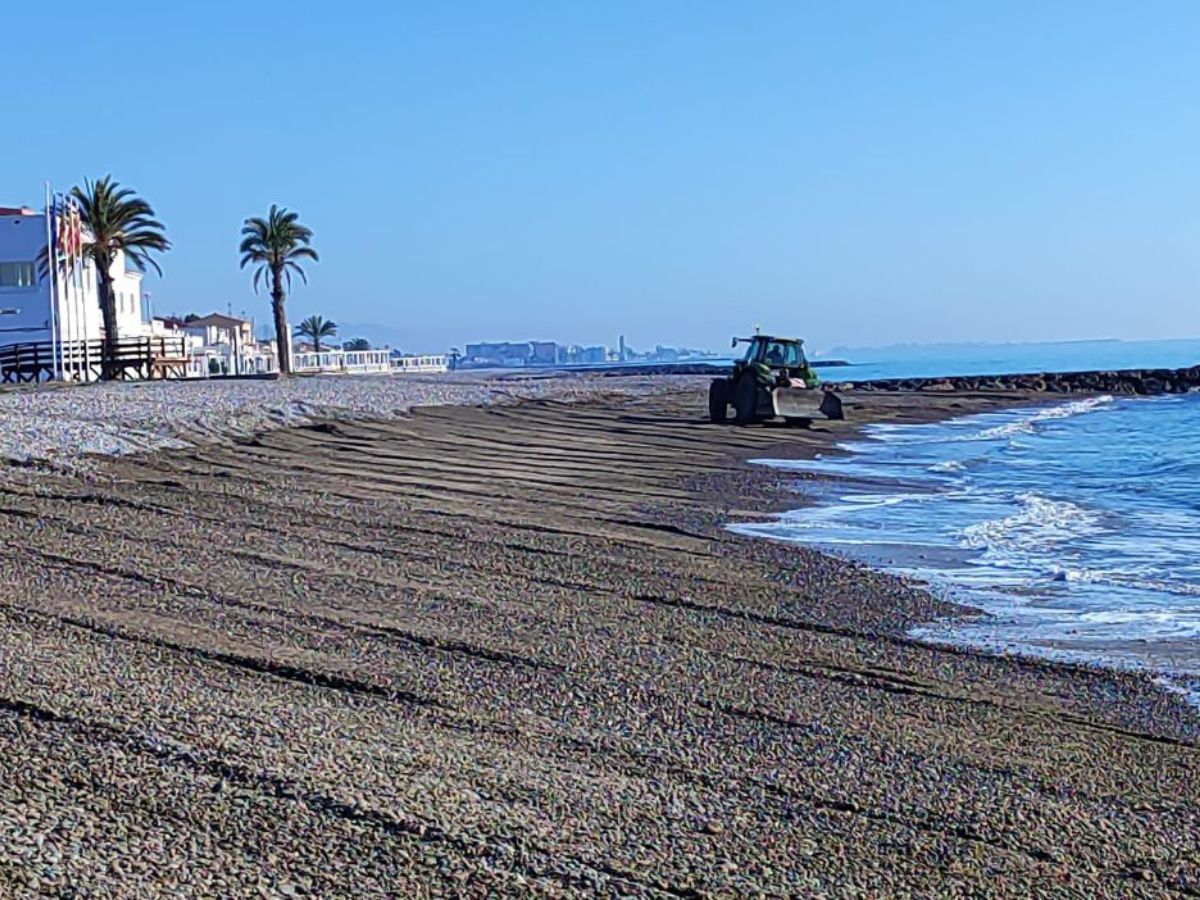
[(1142, 382)]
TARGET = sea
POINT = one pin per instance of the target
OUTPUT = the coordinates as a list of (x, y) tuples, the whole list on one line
[(1075, 527)]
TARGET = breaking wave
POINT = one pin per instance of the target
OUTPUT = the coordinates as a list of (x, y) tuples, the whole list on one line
[(1028, 423), (1038, 523), (1076, 526)]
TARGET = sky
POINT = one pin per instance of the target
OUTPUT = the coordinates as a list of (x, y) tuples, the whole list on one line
[(856, 173)]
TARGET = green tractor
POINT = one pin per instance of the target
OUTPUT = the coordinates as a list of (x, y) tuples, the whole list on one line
[(773, 380)]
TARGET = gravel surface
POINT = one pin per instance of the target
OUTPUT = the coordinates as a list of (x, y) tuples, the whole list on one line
[(61, 427), (511, 651)]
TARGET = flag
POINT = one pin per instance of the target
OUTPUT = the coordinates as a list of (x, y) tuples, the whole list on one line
[(60, 228), (68, 238), (67, 261), (68, 229), (75, 228)]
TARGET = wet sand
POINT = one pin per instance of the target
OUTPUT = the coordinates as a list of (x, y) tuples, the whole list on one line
[(511, 650)]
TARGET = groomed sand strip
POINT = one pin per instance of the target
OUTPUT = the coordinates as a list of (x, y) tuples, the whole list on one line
[(63, 426), (511, 651)]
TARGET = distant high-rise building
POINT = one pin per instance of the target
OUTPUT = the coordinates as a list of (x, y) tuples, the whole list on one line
[(577, 355), (511, 354), (621, 348), (542, 353)]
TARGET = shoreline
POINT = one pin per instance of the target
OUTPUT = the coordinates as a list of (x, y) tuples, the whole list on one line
[(512, 650), (1128, 654), (783, 494)]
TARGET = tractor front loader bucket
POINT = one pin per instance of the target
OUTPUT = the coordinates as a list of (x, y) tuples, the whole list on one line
[(801, 403)]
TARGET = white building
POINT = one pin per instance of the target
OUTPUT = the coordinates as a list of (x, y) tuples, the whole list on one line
[(347, 362), (225, 345), (127, 291), (422, 365), (27, 315), (220, 329)]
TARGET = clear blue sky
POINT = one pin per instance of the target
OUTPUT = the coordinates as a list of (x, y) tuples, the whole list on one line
[(859, 173)]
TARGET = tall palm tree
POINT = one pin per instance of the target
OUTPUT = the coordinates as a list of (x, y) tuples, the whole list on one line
[(275, 245), (116, 220), (314, 328), (357, 344)]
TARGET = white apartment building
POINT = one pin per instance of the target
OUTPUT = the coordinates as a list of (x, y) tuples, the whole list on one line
[(27, 313)]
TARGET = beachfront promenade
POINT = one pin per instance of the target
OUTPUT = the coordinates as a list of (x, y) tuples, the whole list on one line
[(509, 650)]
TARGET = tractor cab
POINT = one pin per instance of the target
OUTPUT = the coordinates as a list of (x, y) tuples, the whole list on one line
[(775, 360), (773, 380)]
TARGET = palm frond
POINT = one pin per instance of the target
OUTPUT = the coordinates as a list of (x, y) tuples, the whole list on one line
[(276, 243), (316, 327), (290, 267), (304, 253), (116, 219)]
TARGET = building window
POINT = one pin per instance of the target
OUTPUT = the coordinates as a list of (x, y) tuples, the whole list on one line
[(17, 275)]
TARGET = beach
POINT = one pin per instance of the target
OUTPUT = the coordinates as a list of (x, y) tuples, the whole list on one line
[(512, 649)]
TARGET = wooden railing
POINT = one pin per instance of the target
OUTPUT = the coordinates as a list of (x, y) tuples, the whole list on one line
[(126, 358)]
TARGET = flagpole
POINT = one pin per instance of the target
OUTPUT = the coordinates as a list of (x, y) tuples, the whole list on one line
[(67, 302), (73, 306), (80, 335), (52, 272), (85, 370), (76, 266), (68, 312)]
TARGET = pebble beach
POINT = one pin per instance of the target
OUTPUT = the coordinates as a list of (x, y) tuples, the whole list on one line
[(66, 427), (469, 637)]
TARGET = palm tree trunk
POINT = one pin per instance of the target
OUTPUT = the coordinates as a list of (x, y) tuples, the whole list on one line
[(281, 327), (108, 316)]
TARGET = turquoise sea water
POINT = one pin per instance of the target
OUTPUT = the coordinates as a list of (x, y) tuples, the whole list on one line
[(1076, 527)]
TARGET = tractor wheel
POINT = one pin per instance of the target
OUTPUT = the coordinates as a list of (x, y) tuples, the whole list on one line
[(745, 400), (718, 401)]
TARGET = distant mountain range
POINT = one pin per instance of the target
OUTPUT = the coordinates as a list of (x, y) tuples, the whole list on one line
[(944, 346), (378, 335)]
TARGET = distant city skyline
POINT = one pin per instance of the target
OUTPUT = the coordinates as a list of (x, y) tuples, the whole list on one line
[(398, 338), (853, 173)]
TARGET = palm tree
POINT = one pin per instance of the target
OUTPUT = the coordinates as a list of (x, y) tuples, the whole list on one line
[(274, 245), (116, 220), (314, 328), (357, 344)]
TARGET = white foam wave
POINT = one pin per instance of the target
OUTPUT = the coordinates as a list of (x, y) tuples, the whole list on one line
[(1008, 424), (1039, 521), (1127, 580), (858, 501), (1027, 423), (949, 465)]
